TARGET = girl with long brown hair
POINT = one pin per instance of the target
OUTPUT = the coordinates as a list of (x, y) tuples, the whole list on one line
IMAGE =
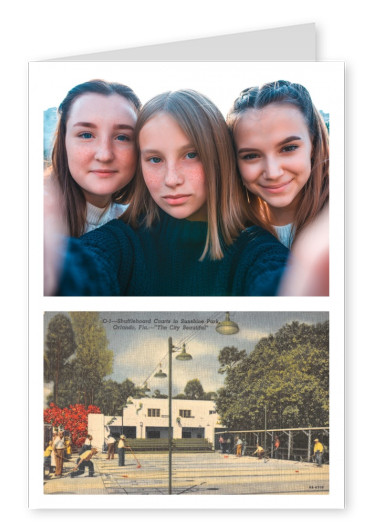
[(282, 150), (94, 156)]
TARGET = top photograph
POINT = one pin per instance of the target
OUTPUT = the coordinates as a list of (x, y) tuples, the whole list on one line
[(186, 179)]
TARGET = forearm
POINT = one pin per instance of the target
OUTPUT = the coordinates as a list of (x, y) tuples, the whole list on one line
[(99, 263)]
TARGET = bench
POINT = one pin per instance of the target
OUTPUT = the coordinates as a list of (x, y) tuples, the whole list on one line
[(178, 445)]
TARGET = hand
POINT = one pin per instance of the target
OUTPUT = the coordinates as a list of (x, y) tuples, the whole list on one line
[(55, 232), (308, 272)]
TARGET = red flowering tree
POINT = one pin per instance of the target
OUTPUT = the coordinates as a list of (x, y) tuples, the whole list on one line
[(72, 418)]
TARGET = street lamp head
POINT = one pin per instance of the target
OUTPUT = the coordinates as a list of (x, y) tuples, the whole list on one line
[(227, 327), (160, 374), (183, 356)]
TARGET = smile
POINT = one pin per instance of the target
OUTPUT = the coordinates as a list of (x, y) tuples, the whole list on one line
[(178, 199), (276, 188)]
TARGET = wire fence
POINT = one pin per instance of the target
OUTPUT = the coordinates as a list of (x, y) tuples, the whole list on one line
[(283, 443)]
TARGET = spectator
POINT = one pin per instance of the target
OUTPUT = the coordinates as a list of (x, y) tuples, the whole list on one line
[(276, 447), (59, 449), (121, 450), (47, 457), (110, 447), (318, 450), (239, 444)]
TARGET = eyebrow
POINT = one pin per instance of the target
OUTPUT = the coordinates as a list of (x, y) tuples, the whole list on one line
[(93, 126), (284, 141), (289, 139), (182, 149)]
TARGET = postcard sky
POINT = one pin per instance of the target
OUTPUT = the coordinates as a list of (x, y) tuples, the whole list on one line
[(141, 348)]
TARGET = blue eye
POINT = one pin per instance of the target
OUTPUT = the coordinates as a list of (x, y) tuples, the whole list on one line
[(123, 138), (191, 155), (292, 147), (250, 156), (155, 160), (86, 136)]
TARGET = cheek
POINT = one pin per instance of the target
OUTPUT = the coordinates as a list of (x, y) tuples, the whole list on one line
[(129, 160), (152, 177), (194, 174), (248, 173), (77, 156), (304, 167)]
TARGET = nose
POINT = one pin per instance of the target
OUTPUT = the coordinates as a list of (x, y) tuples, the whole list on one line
[(104, 152), (273, 168), (173, 177)]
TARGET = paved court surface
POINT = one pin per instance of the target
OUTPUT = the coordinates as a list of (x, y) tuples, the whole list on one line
[(193, 474)]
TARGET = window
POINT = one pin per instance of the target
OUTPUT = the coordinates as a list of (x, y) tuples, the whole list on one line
[(186, 413), (154, 412)]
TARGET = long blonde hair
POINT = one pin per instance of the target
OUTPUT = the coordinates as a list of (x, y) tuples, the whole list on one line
[(202, 122)]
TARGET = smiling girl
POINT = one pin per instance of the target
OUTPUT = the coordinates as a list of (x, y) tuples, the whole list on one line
[(183, 232), (94, 156), (282, 152)]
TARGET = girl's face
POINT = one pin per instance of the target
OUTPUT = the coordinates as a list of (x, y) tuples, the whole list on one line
[(100, 145), (172, 169), (273, 149)]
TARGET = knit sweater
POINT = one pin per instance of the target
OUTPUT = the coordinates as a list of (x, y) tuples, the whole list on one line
[(164, 260)]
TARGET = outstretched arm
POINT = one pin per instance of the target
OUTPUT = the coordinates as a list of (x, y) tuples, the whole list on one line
[(308, 273)]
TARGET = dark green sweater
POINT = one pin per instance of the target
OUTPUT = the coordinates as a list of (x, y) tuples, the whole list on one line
[(164, 260)]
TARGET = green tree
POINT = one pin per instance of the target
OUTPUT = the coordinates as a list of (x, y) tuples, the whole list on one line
[(287, 374), (210, 395), (108, 398), (229, 357), (158, 394), (93, 359), (194, 390), (127, 389), (59, 347)]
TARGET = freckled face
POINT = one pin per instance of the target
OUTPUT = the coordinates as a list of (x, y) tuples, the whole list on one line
[(172, 169), (273, 149), (100, 145)]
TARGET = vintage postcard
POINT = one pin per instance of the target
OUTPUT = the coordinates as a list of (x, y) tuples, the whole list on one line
[(189, 404)]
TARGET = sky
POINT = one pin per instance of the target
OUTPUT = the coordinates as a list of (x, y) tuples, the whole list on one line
[(139, 341), (220, 81)]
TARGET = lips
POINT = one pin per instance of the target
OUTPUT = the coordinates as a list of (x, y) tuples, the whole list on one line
[(104, 173), (276, 188), (177, 199)]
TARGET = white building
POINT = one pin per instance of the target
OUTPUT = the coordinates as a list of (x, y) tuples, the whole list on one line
[(147, 418)]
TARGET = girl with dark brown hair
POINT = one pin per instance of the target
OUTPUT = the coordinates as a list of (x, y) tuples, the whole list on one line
[(282, 151)]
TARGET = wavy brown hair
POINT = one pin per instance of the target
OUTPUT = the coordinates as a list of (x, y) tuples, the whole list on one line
[(202, 122), (315, 193), (73, 196)]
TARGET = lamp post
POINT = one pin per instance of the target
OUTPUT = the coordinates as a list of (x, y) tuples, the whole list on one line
[(183, 356), (225, 327)]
